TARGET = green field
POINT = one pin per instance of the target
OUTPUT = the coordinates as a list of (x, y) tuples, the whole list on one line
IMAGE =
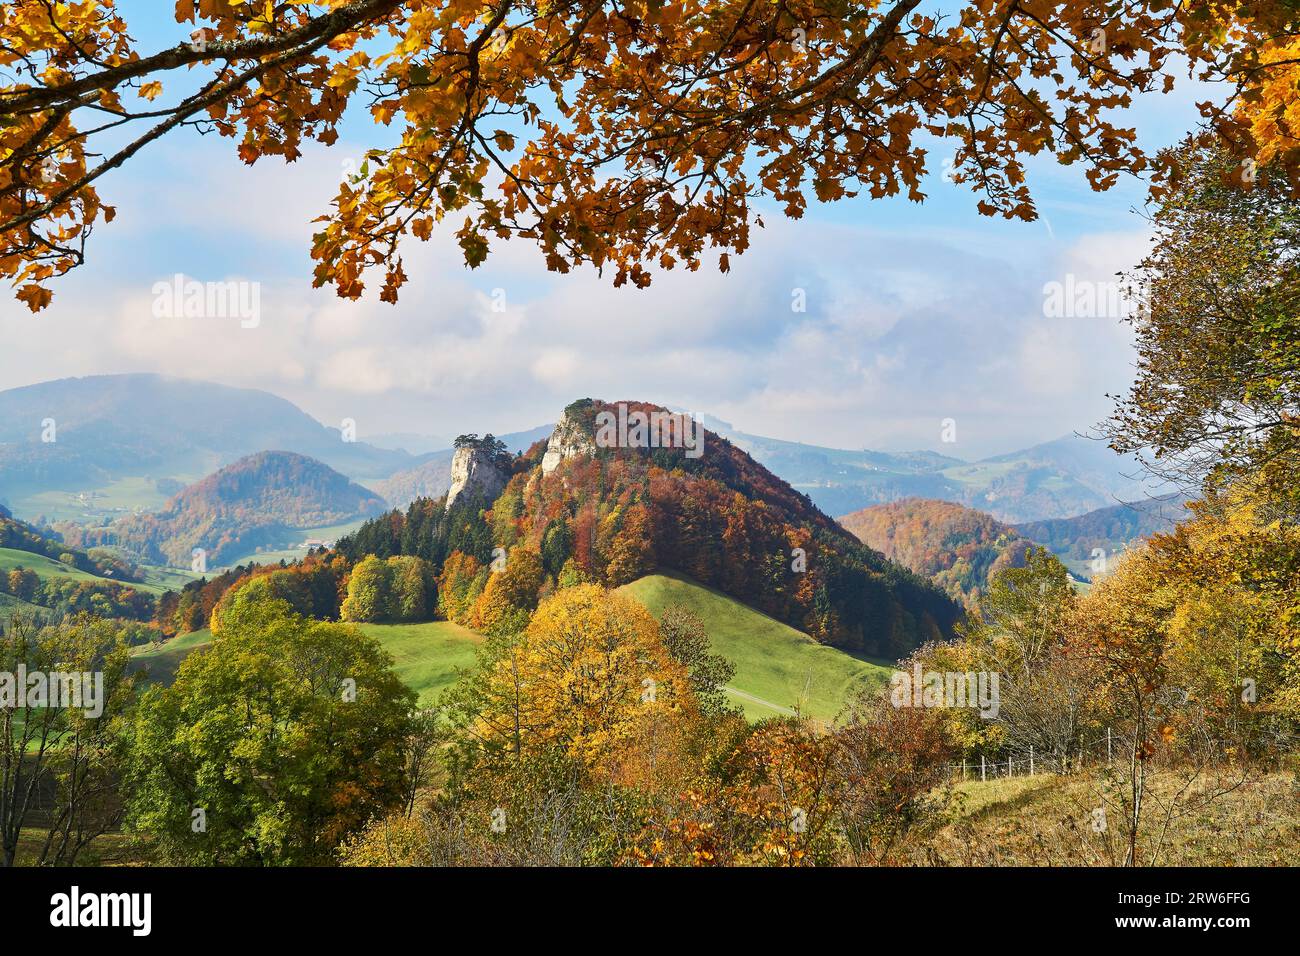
[(121, 497), (329, 533), (777, 667), (9, 604), (45, 568), (980, 475), (159, 661), (426, 656), (159, 579)]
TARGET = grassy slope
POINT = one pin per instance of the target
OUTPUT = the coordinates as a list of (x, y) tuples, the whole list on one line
[(426, 655), (44, 567), (9, 604), (161, 660), (774, 662)]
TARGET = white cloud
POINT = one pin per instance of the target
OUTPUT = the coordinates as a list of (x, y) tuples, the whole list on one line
[(902, 329)]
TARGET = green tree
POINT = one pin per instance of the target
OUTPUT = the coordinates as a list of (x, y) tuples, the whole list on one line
[(684, 636), (69, 755), (1021, 633), (271, 746), (413, 593), (369, 591), (1217, 393)]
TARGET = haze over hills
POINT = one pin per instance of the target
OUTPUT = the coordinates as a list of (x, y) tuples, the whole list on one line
[(126, 443), (1067, 476), (109, 427), (260, 500), (1077, 541)]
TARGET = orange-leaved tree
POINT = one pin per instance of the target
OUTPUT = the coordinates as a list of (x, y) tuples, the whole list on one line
[(629, 136)]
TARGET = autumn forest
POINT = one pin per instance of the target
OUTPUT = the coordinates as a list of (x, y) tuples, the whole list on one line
[(272, 595)]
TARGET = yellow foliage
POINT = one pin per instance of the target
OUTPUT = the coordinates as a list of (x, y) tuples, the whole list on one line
[(590, 674)]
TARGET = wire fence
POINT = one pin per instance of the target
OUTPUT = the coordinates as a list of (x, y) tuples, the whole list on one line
[(1102, 750)]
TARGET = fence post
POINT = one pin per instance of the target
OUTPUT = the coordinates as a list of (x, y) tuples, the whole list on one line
[(1031, 760), (983, 769), (963, 769), (1109, 758)]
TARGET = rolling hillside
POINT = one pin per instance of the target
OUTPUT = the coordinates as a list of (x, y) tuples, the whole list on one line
[(45, 567), (266, 499), (126, 443), (610, 513), (778, 669)]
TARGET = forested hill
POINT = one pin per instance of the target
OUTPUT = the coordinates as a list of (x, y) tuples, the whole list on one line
[(958, 548), (614, 514), (258, 500)]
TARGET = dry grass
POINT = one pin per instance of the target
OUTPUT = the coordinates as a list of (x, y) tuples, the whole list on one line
[(1049, 821)]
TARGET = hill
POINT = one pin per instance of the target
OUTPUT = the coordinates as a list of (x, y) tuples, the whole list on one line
[(19, 536), (956, 547), (1110, 531), (129, 438), (43, 587), (778, 669), (260, 500), (611, 511), (126, 443)]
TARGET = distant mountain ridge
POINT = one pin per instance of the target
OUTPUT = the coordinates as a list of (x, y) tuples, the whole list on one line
[(171, 431), (259, 500), (1105, 533), (1068, 476), (78, 433)]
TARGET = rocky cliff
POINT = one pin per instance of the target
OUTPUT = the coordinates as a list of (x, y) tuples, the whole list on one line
[(571, 438), (476, 470)]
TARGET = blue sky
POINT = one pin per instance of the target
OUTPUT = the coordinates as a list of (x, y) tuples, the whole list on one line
[(915, 313)]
